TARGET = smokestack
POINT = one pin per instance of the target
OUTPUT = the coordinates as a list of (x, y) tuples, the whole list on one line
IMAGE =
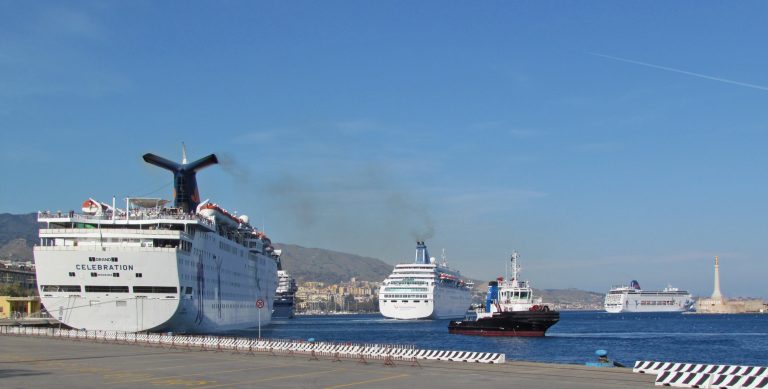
[(185, 194), (716, 295), (422, 255)]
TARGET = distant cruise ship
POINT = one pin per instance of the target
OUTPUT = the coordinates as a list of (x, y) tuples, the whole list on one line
[(633, 299), (285, 295), (424, 290), (193, 267)]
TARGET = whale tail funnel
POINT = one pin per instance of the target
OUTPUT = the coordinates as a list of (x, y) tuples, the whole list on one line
[(185, 193)]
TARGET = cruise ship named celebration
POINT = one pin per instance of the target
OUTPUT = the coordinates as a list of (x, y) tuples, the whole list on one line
[(632, 298), (424, 289), (192, 267)]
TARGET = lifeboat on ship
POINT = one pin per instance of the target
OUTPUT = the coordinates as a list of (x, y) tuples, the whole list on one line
[(222, 216), (93, 207)]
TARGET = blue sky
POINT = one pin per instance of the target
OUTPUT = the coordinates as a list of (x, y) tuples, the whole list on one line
[(604, 141)]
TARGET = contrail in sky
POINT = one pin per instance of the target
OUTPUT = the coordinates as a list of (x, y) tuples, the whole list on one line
[(650, 65)]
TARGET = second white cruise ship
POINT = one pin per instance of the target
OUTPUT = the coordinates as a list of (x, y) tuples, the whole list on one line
[(633, 299), (424, 289)]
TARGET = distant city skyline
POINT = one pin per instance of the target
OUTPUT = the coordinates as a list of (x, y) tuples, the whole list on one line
[(605, 143)]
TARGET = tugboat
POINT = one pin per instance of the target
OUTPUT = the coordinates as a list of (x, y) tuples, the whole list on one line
[(510, 310)]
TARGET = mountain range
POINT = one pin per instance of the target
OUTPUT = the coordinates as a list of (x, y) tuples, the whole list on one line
[(18, 233)]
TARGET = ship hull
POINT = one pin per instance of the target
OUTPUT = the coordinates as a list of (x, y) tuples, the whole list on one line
[(157, 289), (523, 323), (443, 303), (283, 309), (647, 302)]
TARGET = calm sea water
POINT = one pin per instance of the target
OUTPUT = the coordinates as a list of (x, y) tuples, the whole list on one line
[(674, 337)]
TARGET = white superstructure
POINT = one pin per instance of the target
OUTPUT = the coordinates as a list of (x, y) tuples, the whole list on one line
[(510, 295), (189, 268), (633, 299), (285, 296), (424, 290)]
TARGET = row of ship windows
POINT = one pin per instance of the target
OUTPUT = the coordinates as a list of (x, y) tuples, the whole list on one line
[(408, 282), (94, 274), (665, 302), (206, 254), (230, 249), (188, 277), (251, 305), (209, 294), (409, 289), (404, 301), (112, 289), (404, 296)]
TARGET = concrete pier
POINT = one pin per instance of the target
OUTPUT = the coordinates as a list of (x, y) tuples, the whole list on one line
[(40, 362)]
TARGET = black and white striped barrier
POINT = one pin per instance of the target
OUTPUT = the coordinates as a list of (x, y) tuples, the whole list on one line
[(707, 380), (363, 352), (654, 367), (693, 375)]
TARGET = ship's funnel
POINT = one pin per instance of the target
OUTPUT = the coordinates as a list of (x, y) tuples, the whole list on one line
[(185, 194), (422, 255)]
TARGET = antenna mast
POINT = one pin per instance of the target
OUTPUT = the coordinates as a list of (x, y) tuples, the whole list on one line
[(515, 268)]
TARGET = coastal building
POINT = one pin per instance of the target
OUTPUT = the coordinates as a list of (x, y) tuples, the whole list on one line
[(18, 274), (18, 307), (318, 297), (717, 303)]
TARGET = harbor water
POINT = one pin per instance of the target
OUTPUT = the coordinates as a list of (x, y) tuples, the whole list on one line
[(674, 337)]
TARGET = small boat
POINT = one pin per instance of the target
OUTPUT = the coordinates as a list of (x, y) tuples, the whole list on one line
[(509, 310)]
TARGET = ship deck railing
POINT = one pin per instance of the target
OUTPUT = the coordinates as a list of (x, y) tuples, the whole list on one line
[(120, 218), (106, 247), (133, 231)]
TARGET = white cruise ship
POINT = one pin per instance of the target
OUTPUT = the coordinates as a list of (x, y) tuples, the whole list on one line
[(190, 268), (285, 295), (424, 290), (633, 299)]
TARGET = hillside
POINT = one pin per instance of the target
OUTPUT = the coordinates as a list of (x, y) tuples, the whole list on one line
[(572, 298), (16, 250), (313, 264), (17, 235)]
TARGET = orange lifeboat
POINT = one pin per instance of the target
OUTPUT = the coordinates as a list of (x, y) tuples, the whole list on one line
[(92, 207), (220, 214)]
